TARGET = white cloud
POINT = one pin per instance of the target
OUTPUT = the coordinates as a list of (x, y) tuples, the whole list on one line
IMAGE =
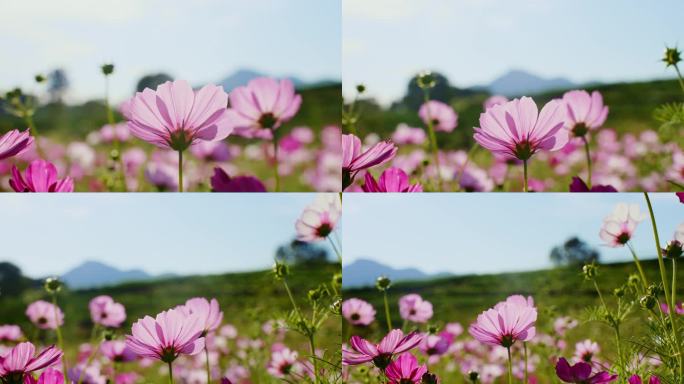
[(381, 10)]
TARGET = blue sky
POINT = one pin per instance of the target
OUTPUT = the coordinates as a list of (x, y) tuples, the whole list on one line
[(200, 40), (489, 232), (191, 234), (385, 42)]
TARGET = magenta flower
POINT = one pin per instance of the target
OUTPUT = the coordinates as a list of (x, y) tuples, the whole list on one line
[(40, 176), (358, 312), (353, 160), (175, 116), (585, 112), (391, 180), (517, 130), (442, 116), (171, 334), (45, 315), (578, 185), (10, 333), (51, 376), (221, 182), (435, 345), (208, 311), (494, 100), (635, 379), (264, 104), (394, 343), (106, 312), (679, 308), (405, 370), (318, 220), (14, 143), (580, 373), (117, 351), (504, 324), (413, 308), (619, 226), (19, 362), (680, 196)]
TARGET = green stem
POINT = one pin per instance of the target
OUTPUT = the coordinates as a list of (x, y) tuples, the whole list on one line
[(471, 152), (603, 302), (292, 300), (638, 264), (618, 346), (526, 369), (180, 171), (510, 366), (170, 373), (58, 330), (524, 175), (314, 359), (588, 154), (334, 247), (206, 358), (679, 77), (28, 118), (433, 141), (668, 297), (275, 162), (387, 312)]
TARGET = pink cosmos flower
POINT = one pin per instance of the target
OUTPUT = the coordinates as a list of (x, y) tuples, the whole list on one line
[(117, 351), (504, 324), (353, 160), (635, 379), (208, 311), (86, 374), (284, 363), (222, 182), (106, 312), (167, 336), (211, 151), (680, 196), (175, 116), (516, 129), (619, 226), (318, 220), (442, 116), (358, 312), (51, 376), (580, 373), (391, 180), (408, 135), (264, 104), (45, 315), (405, 370), (119, 132), (585, 112), (586, 350), (494, 100), (14, 143), (40, 176), (436, 345), (394, 343), (413, 308), (679, 308), (19, 362), (578, 185), (10, 333)]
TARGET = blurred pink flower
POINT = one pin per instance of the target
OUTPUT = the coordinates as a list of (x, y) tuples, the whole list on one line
[(175, 116), (394, 343), (51, 376), (358, 312), (504, 324), (635, 379), (208, 311), (319, 218), (19, 362), (391, 180), (619, 226), (436, 345), (221, 182), (119, 132), (171, 334), (586, 350), (407, 135), (517, 130), (474, 179), (40, 176), (494, 100), (413, 308), (353, 160), (211, 151), (117, 351), (106, 312), (580, 373), (578, 185), (45, 315), (284, 363), (10, 333), (442, 116), (679, 308), (405, 370), (584, 112), (263, 104), (14, 143)]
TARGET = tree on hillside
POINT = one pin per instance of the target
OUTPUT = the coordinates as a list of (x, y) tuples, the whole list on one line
[(12, 282), (152, 81), (300, 252), (57, 85), (574, 251), (443, 91)]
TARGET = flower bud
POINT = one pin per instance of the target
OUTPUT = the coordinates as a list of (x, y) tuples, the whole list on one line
[(432, 329), (426, 80), (337, 279), (647, 301), (53, 285), (39, 78), (672, 57), (590, 271), (429, 378), (619, 292), (315, 294), (654, 290), (336, 307), (383, 283), (280, 270), (360, 88), (107, 69), (673, 250), (473, 376)]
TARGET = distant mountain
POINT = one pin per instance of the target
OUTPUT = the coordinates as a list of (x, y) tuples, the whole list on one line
[(364, 272), (92, 274), (517, 83), (243, 76)]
